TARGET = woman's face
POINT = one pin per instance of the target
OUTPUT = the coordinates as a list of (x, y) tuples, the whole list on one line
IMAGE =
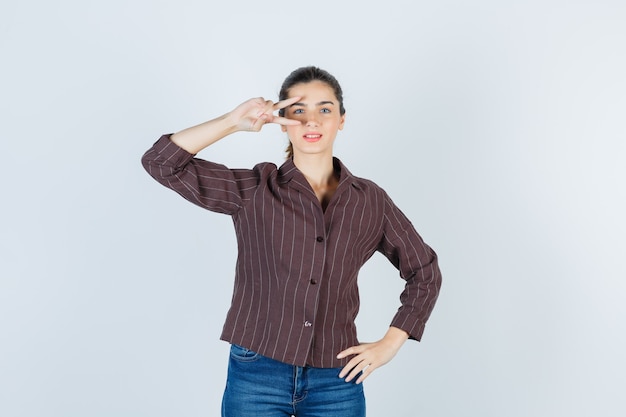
[(319, 116)]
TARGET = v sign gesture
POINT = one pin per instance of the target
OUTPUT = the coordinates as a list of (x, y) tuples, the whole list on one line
[(252, 114), (249, 116)]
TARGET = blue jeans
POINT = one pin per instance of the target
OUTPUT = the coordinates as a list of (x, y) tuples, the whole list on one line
[(258, 386)]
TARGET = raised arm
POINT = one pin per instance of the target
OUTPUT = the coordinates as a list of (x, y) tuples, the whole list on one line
[(249, 116)]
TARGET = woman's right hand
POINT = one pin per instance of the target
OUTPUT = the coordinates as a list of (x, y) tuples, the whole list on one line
[(252, 114), (249, 116)]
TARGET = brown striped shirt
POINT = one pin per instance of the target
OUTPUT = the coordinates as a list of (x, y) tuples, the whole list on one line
[(296, 297)]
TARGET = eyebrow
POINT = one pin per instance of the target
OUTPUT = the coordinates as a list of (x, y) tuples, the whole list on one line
[(321, 103)]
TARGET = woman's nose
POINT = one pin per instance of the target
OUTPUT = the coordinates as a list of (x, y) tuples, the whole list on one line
[(311, 120)]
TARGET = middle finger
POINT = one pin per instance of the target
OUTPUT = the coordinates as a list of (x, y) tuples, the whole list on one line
[(287, 102)]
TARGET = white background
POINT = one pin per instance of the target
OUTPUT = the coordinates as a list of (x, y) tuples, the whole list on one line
[(497, 126)]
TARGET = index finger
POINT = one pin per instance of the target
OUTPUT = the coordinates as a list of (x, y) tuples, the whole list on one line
[(287, 102)]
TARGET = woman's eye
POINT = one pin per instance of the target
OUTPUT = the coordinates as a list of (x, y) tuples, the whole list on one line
[(325, 110), (298, 111)]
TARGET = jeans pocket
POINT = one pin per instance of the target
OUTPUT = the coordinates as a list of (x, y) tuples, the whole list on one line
[(242, 354)]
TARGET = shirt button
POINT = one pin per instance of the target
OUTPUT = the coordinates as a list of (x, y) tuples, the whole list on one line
[(319, 239), (308, 324), (314, 281)]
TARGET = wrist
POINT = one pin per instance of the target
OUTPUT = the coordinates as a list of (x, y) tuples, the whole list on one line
[(229, 123), (396, 336)]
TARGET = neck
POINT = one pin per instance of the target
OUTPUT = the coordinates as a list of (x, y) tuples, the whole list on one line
[(318, 169)]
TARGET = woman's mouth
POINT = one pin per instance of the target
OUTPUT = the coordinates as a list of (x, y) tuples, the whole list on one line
[(312, 137)]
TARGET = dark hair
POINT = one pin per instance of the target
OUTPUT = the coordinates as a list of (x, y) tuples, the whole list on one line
[(305, 75)]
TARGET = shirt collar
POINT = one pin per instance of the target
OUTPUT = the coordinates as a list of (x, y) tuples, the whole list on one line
[(289, 171)]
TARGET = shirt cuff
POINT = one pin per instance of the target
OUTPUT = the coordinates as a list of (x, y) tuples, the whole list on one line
[(414, 327), (170, 154)]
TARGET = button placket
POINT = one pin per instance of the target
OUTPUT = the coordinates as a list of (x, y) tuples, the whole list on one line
[(314, 281)]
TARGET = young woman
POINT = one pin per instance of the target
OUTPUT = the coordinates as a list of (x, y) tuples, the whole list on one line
[(303, 232)]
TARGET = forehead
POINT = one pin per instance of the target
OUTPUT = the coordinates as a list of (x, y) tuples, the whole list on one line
[(313, 90)]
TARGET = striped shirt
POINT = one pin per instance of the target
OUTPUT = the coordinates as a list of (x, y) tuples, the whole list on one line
[(295, 297)]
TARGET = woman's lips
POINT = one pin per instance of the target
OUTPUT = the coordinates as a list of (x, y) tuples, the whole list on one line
[(312, 137)]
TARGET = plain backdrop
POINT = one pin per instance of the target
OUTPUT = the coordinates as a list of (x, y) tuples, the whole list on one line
[(497, 126)]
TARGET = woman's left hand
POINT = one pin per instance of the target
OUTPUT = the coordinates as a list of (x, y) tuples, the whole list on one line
[(370, 356)]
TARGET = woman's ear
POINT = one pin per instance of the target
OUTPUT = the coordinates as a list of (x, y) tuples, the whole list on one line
[(343, 120)]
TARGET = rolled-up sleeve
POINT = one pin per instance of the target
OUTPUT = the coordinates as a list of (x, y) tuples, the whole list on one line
[(207, 184), (418, 266)]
